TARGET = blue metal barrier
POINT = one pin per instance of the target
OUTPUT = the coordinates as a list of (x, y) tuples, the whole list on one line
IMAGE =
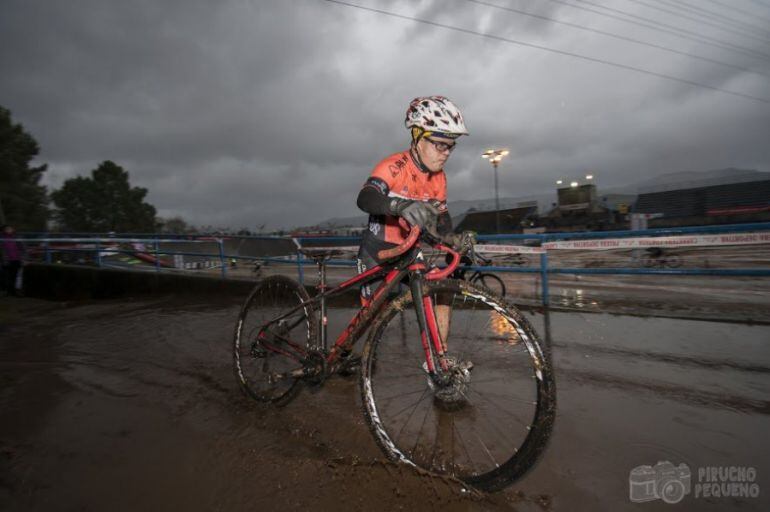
[(544, 270)]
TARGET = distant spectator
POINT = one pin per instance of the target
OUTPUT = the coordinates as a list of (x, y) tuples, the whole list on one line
[(12, 258)]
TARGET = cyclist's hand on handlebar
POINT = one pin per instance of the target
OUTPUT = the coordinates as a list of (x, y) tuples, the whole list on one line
[(416, 213)]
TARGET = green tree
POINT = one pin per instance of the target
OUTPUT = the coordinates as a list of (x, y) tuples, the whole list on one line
[(104, 202), (23, 201), (176, 225)]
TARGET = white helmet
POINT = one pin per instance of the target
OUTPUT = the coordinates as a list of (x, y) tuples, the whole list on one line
[(435, 114)]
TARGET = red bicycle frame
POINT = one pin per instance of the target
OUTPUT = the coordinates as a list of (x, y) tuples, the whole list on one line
[(394, 272)]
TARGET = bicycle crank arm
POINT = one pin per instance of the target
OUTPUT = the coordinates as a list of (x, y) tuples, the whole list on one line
[(299, 373)]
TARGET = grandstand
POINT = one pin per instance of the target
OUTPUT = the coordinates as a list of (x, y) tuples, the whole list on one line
[(719, 204)]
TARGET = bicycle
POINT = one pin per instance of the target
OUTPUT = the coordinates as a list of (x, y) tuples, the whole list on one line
[(656, 257), (471, 399), (489, 281)]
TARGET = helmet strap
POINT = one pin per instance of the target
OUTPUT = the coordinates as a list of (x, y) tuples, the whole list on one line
[(418, 133), (417, 159)]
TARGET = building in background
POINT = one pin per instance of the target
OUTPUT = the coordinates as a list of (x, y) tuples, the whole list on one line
[(732, 203), (512, 220)]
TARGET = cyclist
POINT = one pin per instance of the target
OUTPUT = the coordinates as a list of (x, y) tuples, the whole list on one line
[(412, 185)]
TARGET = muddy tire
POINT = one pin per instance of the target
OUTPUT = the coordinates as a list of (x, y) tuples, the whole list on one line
[(254, 362), (500, 423)]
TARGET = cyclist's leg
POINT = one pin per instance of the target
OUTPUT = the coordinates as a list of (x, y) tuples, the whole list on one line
[(367, 259), (443, 318)]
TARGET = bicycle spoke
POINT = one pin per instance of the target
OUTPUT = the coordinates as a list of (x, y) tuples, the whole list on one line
[(486, 450), (410, 415), (422, 425), (500, 409), (413, 404), (468, 455), (391, 397)]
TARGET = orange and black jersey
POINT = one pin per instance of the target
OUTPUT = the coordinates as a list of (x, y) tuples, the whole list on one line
[(398, 176)]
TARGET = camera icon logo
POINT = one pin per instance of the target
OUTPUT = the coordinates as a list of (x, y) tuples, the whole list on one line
[(664, 481)]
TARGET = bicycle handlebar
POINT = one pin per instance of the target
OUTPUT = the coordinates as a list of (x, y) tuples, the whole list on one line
[(411, 239), (408, 243), (436, 274)]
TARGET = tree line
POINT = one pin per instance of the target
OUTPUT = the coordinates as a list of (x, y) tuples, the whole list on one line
[(102, 202)]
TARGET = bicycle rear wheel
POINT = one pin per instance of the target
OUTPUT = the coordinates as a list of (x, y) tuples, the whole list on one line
[(501, 416), (491, 282), (264, 350), (673, 261), (650, 262)]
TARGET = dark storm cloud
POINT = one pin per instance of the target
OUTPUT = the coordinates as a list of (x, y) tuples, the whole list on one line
[(240, 113)]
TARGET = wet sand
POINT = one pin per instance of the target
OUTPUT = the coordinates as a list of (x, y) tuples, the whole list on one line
[(131, 405)]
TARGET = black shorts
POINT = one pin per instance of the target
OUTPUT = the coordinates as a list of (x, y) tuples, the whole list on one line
[(367, 259)]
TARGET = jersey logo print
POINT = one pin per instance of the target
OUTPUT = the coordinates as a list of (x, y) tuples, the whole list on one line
[(395, 169)]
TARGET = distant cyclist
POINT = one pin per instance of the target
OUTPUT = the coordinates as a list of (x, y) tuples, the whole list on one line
[(411, 184)]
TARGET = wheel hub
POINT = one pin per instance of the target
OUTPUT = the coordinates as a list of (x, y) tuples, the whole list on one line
[(451, 390)]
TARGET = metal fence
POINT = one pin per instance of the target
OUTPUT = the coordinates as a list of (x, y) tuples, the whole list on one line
[(227, 251)]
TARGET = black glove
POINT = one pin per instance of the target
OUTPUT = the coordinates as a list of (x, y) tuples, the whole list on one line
[(416, 213)]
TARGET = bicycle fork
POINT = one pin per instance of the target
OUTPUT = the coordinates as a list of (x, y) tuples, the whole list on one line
[(426, 320)]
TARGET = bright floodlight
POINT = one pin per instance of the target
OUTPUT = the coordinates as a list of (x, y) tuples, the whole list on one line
[(573, 184), (589, 176), (559, 182), (495, 156)]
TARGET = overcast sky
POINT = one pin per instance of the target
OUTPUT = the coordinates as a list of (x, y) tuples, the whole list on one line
[(243, 112)]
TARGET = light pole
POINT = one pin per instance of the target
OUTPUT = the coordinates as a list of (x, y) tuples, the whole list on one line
[(494, 156)]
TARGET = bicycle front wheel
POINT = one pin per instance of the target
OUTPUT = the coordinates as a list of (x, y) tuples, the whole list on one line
[(265, 350), (500, 410)]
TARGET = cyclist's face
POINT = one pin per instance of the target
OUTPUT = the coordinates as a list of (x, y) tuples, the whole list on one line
[(434, 152)]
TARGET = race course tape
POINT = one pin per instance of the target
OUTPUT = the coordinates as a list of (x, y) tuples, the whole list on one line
[(497, 249), (509, 249), (339, 248), (662, 241)]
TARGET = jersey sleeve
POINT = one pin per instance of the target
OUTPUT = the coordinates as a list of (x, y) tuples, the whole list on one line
[(386, 173), (374, 197)]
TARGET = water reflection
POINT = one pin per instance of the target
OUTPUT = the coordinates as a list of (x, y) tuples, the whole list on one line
[(507, 334), (575, 298)]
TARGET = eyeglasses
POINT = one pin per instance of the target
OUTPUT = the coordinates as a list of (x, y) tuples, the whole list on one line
[(442, 147)]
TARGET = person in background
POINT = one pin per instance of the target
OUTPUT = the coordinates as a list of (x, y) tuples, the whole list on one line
[(12, 257)]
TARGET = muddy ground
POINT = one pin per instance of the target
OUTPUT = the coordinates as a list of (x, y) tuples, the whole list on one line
[(131, 405)]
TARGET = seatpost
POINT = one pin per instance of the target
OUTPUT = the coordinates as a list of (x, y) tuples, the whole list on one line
[(321, 289)]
